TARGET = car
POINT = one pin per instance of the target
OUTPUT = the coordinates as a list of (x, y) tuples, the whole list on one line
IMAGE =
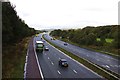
[(65, 43), (44, 41), (63, 62), (46, 48)]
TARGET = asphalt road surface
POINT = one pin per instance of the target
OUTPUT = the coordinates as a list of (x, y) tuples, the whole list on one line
[(31, 68), (104, 60), (48, 61)]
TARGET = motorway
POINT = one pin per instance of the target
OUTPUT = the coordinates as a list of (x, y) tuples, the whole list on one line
[(48, 61), (103, 60)]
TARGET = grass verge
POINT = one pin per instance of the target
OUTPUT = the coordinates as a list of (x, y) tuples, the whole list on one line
[(13, 59), (101, 71)]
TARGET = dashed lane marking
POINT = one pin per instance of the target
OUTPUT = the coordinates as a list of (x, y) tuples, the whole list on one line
[(75, 71), (52, 63), (48, 58), (59, 72)]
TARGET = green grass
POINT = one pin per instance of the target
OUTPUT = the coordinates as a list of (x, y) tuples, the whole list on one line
[(87, 64), (108, 40), (13, 59), (98, 39)]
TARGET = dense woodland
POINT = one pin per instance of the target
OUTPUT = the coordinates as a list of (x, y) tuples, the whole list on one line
[(101, 36), (14, 29), (15, 38)]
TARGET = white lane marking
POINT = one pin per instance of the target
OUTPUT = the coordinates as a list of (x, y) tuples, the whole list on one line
[(110, 57), (107, 66), (75, 71), (59, 58), (38, 61), (85, 66), (48, 58), (110, 53), (26, 59), (58, 72), (45, 54), (77, 61), (52, 63), (114, 59), (25, 69), (116, 65), (87, 55), (25, 66)]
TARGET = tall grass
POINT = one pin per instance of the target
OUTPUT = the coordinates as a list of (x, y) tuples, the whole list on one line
[(13, 59)]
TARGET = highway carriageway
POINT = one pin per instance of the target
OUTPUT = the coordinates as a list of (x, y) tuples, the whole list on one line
[(48, 62)]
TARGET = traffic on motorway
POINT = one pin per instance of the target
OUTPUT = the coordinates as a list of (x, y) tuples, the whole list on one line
[(103, 60), (55, 64)]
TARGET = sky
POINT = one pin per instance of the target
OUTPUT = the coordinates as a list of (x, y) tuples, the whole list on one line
[(59, 14)]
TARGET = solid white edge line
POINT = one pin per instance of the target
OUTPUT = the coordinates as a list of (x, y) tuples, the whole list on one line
[(76, 61), (85, 66), (25, 65), (26, 59), (38, 61), (111, 54)]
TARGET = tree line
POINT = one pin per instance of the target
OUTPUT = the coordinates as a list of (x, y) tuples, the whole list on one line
[(14, 29), (90, 34)]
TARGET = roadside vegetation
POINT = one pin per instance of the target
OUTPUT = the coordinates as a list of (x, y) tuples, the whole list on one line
[(15, 38), (13, 59), (103, 39), (96, 68)]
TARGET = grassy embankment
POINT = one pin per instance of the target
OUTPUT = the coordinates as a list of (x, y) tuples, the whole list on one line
[(13, 59), (88, 64)]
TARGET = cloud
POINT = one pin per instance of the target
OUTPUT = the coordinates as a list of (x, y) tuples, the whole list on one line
[(52, 13)]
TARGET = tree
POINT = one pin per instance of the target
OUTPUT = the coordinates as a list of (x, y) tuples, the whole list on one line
[(14, 29)]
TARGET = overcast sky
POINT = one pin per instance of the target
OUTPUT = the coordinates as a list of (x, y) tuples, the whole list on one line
[(50, 14)]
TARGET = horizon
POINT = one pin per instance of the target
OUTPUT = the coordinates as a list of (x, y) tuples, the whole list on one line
[(77, 14)]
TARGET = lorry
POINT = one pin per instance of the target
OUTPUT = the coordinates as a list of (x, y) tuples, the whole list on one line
[(39, 46)]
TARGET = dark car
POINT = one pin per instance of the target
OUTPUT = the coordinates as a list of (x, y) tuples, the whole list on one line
[(63, 62), (46, 48), (44, 41), (65, 43)]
